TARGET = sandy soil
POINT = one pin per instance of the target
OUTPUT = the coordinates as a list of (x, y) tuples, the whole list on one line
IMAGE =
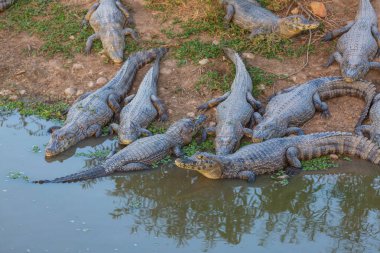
[(47, 78)]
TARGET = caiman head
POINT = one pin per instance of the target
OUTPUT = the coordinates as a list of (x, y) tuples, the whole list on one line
[(184, 129), (128, 133), (293, 25), (114, 44), (206, 164), (60, 140), (266, 130), (228, 139), (354, 69)]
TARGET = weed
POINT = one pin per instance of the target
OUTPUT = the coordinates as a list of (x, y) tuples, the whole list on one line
[(193, 147), (36, 149), (321, 163), (18, 175), (348, 159), (196, 50), (274, 5), (40, 109), (166, 160), (281, 178), (155, 129), (261, 79), (102, 152), (214, 81)]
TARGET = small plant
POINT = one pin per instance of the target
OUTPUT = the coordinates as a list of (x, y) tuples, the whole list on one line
[(321, 163), (196, 50), (281, 178), (193, 147), (102, 152), (155, 129), (36, 149), (348, 159), (261, 78), (18, 175), (166, 160), (214, 81)]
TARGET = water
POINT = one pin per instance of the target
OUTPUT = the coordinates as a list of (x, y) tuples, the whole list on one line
[(171, 210)]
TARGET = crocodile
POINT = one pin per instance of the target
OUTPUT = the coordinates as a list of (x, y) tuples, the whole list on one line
[(108, 19), (93, 110), (290, 108), (143, 153), (358, 45), (141, 109), (5, 4), (279, 153), (373, 130), (234, 109), (249, 15)]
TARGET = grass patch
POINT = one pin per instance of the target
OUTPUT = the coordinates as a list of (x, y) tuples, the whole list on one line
[(166, 160), (18, 175), (59, 26), (196, 50), (281, 178), (274, 5), (156, 129), (40, 109), (193, 147), (214, 81), (101, 152), (321, 163), (261, 79)]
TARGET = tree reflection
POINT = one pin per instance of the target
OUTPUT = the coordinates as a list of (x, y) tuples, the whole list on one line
[(343, 207)]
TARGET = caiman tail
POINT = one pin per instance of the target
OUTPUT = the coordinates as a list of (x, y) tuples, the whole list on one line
[(365, 9), (340, 143), (242, 78), (96, 172), (144, 57), (361, 89)]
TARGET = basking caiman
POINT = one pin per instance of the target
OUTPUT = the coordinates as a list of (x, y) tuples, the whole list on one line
[(141, 109), (108, 19), (92, 111), (249, 15), (373, 130), (292, 107), (358, 45), (5, 4), (234, 109), (142, 153), (279, 153)]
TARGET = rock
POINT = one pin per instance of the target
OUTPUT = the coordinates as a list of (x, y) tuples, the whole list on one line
[(71, 37), (334, 157), (79, 92), (5, 92), (13, 97), (318, 9), (262, 87), (294, 78), (190, 114), (101, 81), (204, 61), (77, 66), (212, 124), (71, 91), (215, 42), (22, 92), (248, 56), (165, 71), (90, 84), (295, 11), (170, 111)]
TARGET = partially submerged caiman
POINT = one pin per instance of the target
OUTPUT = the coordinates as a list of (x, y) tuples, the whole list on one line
[(358, 45), (373, 130), (108, 19), (249, 15), (290, 108), (142, 153), (141, 109), (92, 111), (5, 4), (279, 153), (234, 109)]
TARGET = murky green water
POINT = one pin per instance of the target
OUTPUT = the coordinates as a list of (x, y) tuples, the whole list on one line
[(170, 210)]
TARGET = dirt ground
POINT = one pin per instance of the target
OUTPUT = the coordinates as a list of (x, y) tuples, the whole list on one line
[(24, 74)]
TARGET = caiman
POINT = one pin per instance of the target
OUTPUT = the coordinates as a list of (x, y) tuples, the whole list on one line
[(108, 19), (234, 109), (279, 153), (373, 130), (5, 4), (249, 15), (141, 109), (358, 45), (92, 111), (141, 154), (290, 108)]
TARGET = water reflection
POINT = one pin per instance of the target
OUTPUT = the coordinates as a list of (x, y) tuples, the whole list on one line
[(343, 207)]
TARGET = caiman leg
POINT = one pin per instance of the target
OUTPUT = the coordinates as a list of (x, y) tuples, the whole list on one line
[(128, 99), (95, 130), (336, 56), (374, 65), (294, 130), (364, 130), (87, 17), (295, 165), (376, 34), (134, 167), (335, 33), (160, 107), (133, 33), (230, 14), (213, 102), (321, 106), (255, 118), (90, 41), (125, 11), (248, 175), (113, 103), (177, 150), (253, 102), (208, 131)]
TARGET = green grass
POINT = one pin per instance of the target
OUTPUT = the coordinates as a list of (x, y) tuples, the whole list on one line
[(214, 81), (40, 109), (193, 147), (281, 178), (154, 128), (36, 149), (18, 175), (101, 152), (321, 163), (195, 50), (261, 78), (53, 22)]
